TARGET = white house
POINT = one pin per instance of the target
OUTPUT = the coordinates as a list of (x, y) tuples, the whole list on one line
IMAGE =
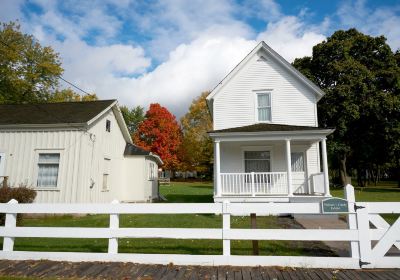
[(75, 152), (266, 137)]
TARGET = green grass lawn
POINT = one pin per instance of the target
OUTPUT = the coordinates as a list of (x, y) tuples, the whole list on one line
[(383, 192), (183, 192)]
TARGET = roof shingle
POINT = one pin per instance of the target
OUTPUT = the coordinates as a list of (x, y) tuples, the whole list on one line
[(52, 113), (267, 127)]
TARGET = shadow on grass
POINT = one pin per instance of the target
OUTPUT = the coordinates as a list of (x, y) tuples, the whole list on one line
[(177, 198)]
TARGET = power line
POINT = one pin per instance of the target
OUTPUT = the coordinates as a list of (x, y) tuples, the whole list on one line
[(59, 76)]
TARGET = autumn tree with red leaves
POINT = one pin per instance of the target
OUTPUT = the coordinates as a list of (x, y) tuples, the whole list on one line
[(161, 134)]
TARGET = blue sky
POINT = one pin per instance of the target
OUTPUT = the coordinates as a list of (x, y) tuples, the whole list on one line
[(170, 51)]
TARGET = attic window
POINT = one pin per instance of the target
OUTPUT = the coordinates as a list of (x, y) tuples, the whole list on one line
[(108, 125)]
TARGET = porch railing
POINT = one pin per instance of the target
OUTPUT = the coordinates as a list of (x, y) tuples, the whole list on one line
[(254, 183)]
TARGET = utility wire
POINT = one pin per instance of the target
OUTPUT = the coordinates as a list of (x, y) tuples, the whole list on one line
[(78, 127)]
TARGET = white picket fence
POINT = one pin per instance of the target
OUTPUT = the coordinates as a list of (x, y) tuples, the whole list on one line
[(361, 236)]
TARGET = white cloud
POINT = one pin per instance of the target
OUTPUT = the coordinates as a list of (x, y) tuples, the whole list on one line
[(194, 46), (291, 37), (379, 21)]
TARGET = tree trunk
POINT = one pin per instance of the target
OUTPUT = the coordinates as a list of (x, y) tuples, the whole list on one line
[(342, 170)]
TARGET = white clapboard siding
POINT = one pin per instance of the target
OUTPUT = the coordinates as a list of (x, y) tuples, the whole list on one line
[(292, 103), (360, 232)]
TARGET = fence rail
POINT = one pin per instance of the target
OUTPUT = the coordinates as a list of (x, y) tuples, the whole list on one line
[(359, 233)]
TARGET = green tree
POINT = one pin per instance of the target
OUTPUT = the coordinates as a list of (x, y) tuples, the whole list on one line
[(28, 71), (68, 95), (197, 147), (133, 117), (361, 78)]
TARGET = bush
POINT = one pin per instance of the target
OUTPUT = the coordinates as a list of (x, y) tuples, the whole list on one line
[(22, 194)]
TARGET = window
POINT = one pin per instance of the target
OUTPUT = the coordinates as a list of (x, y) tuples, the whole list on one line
[(257, 161), (297, 162), (152, 170), (108, 125), (264, 107), (106, 173), (48, 164)]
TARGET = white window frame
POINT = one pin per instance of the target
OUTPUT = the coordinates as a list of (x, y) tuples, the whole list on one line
[(256, 107), (152, 173), (258, 149), (60, 168), (2, 165), (304, 160)]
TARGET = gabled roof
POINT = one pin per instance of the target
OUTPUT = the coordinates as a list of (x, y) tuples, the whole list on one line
[(61, 114), (268, 127), (52, 113), (281, 131), (279, 59), (133, 150)]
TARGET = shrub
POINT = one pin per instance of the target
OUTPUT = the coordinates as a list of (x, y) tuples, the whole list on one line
[(22, 194)]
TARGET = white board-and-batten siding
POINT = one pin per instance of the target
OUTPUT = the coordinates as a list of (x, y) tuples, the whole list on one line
[(22, 147), (83, 152), (291, 102)]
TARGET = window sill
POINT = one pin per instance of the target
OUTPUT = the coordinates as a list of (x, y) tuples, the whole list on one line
[(47, 189)]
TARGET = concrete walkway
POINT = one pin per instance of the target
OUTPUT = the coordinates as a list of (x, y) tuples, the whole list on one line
[(341, 248)]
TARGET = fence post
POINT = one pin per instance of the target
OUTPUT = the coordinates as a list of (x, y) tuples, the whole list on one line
[(253, 193), (114, 224), (364, 235), (10, 222), (351, 218), (226, 225)]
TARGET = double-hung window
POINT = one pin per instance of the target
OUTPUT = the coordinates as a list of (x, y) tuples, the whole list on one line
[(264, 106), (48, 166), (257, 161)]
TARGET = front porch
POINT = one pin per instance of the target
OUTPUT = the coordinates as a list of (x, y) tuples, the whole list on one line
[(276, 167)]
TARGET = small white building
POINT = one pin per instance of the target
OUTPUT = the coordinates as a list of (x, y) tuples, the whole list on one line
[(267, 142), (75, 152)]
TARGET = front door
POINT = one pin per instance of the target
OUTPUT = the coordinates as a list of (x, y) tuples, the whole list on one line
[(299, 182)]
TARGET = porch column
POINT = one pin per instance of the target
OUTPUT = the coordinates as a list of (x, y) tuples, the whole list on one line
[(217, 169), (325, 166), (289, 167)]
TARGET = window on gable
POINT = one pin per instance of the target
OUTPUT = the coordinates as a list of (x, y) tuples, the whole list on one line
[(264, 106), (108, 125), (48, 170)]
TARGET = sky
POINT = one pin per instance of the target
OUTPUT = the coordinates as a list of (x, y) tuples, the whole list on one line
[(168, 52)]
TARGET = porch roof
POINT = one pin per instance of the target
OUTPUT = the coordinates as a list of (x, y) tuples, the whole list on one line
[(273, 131)]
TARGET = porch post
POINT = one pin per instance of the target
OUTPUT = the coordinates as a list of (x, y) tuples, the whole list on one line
[(325, 167), (217, 169), (289, 167)]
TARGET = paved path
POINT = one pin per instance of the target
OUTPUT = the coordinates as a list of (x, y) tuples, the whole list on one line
[(341, 248), (127, 271)]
